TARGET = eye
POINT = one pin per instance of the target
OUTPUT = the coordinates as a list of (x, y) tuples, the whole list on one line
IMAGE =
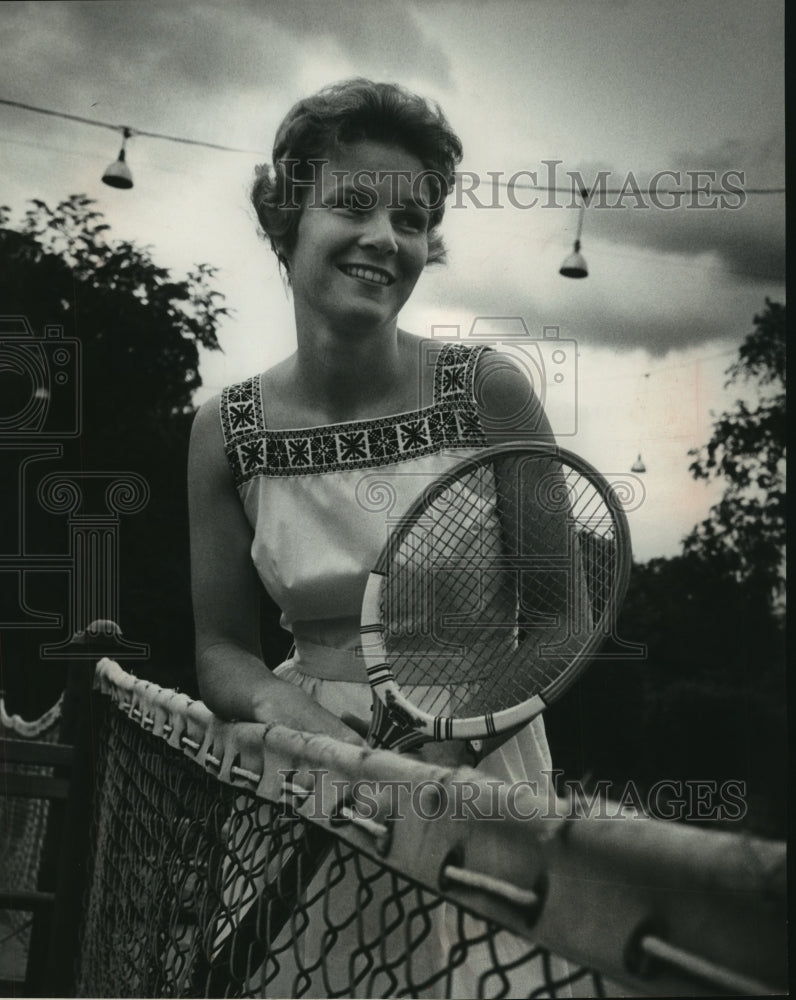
[(354, 202), (414, 220), (359, 202)]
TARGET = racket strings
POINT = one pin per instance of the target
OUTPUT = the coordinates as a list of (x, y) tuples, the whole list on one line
[(498, 584)]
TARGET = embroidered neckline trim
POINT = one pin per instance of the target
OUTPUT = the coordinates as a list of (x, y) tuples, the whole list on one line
[(450, 421)]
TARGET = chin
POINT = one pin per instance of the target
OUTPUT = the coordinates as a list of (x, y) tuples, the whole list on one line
[(367, 316), (360, 321)]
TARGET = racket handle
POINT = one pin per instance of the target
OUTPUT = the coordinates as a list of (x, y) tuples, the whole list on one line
[(393, 728)]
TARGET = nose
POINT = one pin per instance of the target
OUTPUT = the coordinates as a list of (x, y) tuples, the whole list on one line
[(378, 233)]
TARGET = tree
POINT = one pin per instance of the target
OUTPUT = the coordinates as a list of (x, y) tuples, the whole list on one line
[(140, 330), (708, 700), (745, 531)]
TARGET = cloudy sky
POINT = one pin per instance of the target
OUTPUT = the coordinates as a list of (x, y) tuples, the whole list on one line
[(626, 88)]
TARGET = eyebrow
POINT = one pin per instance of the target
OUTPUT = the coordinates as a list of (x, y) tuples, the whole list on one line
[(347, 187)]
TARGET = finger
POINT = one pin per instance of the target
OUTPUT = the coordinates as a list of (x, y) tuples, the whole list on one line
[(359, 725)]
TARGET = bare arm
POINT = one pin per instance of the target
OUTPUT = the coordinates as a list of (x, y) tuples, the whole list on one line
[(233, 679), (508, 407), (509, 410)]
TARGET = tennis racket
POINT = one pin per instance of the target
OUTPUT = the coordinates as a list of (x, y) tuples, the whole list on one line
[(492, 595)]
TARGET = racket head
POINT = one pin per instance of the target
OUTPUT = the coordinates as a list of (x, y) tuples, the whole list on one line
[(492, 594)]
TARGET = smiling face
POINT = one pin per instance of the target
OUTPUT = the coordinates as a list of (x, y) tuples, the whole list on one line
[(362, 239)]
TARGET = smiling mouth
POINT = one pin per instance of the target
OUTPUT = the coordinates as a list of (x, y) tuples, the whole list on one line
[(372, 274)]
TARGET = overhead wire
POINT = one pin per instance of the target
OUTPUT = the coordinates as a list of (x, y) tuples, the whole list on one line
[(132, 131), (551, 189), (632, 191)]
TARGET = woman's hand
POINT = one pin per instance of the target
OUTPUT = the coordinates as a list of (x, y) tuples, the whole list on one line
[(282, 702)]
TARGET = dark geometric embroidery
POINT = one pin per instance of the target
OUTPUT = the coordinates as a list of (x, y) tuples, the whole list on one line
[(239, 392), (299, 451), (469, 425), (436, 429), (352, 446), (413, 434), (384, 442), (251, 454), (277, 456), (453, 379), (241, 416), (324, 449), (451, 421), (454, 371), (450, 428)]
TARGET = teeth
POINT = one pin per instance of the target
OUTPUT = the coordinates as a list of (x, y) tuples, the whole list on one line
[(367, 274)]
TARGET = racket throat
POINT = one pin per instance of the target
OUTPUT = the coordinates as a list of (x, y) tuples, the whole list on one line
[(394, 728)]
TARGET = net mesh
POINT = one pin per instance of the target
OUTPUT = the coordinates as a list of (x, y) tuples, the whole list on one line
[(500, 583), (23, 821), (200, 889), (232, 860)]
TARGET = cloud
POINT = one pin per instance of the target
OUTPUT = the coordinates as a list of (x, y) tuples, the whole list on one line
[(640, 318), (227, 73), (151, 65), (638, 293), (381, 39), (746, 233), (160, 67)]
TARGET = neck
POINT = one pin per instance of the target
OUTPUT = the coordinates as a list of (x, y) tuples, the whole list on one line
[(344, 372)]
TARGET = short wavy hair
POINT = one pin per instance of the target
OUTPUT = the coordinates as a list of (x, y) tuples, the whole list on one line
[(344, 113)]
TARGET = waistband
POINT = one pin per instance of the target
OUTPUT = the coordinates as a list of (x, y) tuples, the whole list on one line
[(328, 663)]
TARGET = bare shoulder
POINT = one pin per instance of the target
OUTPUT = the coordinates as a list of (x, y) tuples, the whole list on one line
[(507, 402), (206, 454), (419, 356), (207, 422)]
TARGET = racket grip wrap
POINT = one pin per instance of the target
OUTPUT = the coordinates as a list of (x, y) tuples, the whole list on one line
[(394, 729)]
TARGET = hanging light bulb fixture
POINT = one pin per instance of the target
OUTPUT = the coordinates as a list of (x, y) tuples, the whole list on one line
[(574, 265), (118, 173), (638, 465)]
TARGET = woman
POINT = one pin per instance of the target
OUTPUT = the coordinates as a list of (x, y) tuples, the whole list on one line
[(281, 464)]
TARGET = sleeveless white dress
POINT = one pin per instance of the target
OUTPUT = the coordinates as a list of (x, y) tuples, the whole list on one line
[(321, 502)]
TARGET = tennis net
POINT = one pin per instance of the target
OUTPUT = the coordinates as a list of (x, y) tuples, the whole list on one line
[(247, 860), (23, 821)]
